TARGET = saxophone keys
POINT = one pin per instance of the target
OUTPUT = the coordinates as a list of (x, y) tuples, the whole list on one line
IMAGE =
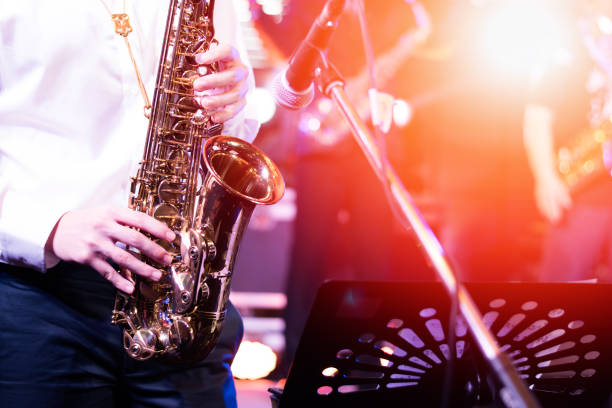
[(180, 130), (171, 192), (186, 79), (170, 215), (199, 118), (179, 162), (185, 106), (214, 130), (164, 339), (142, 345), (204, 292), (181, 333), (210, 249), (204, 70), (197, 45), (183, 286)]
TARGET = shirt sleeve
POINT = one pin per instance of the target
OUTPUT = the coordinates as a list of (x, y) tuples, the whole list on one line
[(26, 218), (245, 124)]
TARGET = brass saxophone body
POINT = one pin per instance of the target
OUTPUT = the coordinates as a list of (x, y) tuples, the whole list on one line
[(204, 187)]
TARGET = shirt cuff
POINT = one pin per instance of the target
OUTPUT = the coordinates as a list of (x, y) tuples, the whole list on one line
[(24, 229)]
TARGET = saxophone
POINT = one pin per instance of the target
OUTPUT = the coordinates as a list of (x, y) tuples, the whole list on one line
[(204, 187)]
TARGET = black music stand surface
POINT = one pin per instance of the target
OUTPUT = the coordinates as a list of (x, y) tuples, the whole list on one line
[(385, 344)]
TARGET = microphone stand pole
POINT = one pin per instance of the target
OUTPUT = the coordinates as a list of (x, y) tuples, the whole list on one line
[(514, 392)]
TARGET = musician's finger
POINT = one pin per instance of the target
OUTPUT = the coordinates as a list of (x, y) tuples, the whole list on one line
[(142, 221), (228, 112), (215, 102), (220, 79), (110, 274), (126, 260), (135, 239), (222, 52)]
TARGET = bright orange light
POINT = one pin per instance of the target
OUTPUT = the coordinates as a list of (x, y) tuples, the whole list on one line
[(253, 360)]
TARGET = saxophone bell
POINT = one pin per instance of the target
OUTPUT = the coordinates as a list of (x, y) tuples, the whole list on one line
[(243, 170), (238, 177)]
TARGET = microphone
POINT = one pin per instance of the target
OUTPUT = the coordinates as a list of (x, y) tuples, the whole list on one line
[(293, 87)]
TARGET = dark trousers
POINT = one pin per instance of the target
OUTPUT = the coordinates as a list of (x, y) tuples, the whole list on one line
[(58, 349)]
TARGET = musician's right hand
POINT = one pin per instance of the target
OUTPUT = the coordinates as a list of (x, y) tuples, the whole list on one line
[(552, 197), (89, 237)]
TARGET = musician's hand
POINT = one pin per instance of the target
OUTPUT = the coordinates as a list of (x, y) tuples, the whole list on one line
[(89, 237), (552, 197), (224, 92)]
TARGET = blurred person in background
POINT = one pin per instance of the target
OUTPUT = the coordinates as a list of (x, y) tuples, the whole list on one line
[(569, 99), (472, 131), (344, 228)]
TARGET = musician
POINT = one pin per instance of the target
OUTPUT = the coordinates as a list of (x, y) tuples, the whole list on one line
[(344, 226), (73, 131), (567, 97)]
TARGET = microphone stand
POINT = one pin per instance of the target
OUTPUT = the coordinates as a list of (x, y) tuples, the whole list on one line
[(514, 392)]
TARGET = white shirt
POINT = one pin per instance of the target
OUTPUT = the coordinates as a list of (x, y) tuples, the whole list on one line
[(72, 128)]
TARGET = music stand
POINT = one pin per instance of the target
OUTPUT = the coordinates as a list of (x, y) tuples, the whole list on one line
[(384, 344)]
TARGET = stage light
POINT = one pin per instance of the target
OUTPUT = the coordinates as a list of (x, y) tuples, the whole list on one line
[(387, 350), (330, 372), (266, 106), (402, 113), (383, 361), (523, 36), (314, 124), (253, 360), (605, 24), (325, 106), (309, 123)]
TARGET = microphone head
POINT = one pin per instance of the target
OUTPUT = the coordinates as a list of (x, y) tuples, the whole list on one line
[(289, 97)]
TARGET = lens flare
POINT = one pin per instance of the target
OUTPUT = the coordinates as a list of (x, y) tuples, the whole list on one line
[(522, 36)]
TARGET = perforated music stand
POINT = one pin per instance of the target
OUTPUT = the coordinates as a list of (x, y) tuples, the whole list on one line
[(384, 344)]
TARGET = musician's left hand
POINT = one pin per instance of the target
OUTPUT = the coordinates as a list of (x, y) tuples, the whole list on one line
[(224, 92)]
